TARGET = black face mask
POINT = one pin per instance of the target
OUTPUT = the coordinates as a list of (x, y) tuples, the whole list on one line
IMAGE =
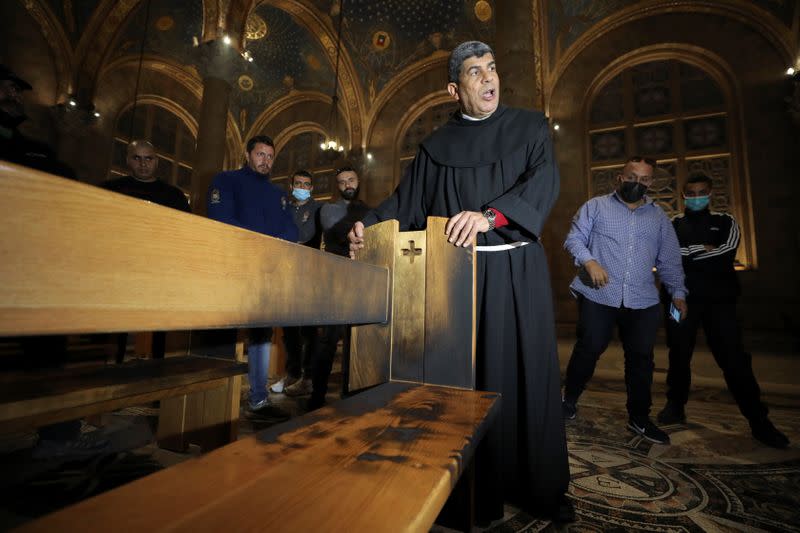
[(631, 191)]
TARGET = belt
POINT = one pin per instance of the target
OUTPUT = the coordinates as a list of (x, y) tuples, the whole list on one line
[(501, 247)]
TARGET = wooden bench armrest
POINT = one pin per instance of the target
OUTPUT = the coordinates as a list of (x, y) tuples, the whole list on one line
[(383, 460)]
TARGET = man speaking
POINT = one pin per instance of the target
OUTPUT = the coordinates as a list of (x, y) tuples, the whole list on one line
[(491, 171)]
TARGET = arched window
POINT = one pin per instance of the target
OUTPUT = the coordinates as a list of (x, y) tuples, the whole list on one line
[(172, 138), (302, 151), (679, 115)]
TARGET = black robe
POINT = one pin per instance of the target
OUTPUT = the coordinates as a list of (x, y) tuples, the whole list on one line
[(506, 162)]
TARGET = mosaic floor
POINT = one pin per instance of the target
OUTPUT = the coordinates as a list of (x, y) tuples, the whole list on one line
[(714, 476)]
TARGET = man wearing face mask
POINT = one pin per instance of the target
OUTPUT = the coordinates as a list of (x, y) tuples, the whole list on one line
[(708, 243), (300, 341), (616, 240)]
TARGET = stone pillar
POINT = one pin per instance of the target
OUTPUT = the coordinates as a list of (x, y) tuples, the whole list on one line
[(210, 152), (217, 59), (518, 60)]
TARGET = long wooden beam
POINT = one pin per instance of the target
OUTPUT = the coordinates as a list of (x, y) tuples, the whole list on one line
[(79, 259)]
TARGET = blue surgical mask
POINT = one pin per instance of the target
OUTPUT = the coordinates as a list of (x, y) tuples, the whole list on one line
[(696, 203), (301, 194)]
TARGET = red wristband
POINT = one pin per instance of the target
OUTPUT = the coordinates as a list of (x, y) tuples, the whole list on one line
[(500, 219)]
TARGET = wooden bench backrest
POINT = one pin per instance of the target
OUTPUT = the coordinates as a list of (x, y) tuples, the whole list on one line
[(80, 259), (430, 337)]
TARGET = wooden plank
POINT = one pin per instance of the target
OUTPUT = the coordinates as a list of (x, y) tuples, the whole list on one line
[(33, 393), (81, 411), (449, 310), (408, 307), (383, 460), (370, 344), (79, 259)]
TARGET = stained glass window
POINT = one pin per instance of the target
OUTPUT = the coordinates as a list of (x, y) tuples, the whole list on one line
[(676, 113)]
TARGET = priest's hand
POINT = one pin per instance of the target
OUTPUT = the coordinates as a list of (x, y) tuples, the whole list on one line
[(356, 238), (462, 228), (596, 272)]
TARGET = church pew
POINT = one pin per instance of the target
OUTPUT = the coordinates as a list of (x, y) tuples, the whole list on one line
[(384, 460), (79, 259), (137, 267)]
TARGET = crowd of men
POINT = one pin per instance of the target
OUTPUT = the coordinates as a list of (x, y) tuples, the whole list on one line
[(492, 172)]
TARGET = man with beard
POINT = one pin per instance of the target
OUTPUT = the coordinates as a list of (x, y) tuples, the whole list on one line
[(246, 198), (491, 170), (616, 240), (336, 220)]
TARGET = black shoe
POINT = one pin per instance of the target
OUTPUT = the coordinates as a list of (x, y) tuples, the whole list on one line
[(765, 432), (569, 410), (648, 430), (314, 403), (265, 410), (672, 414)]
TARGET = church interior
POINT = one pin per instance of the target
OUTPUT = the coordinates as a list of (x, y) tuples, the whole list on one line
[(706, 88)]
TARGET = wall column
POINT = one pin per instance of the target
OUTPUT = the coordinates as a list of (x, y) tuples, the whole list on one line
[(211, 135), (216, 58), (518, 60)]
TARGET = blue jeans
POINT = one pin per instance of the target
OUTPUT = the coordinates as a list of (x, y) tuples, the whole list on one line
[(258, 365)]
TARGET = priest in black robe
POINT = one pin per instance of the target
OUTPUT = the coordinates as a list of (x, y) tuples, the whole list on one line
[(491, 170)]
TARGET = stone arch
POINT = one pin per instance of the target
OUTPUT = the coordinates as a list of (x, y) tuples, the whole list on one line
[(722, 73), (400, 82), (281, 105), (60, 47), (352, 101), (771, 29)]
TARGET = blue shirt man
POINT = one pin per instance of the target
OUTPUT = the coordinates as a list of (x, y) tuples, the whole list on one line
[(616, 241), (246, 198)]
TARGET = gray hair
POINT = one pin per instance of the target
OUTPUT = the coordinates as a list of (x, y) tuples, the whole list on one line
[(461, 53)]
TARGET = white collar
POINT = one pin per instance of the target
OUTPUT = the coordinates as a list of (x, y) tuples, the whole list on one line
[(473, 118)]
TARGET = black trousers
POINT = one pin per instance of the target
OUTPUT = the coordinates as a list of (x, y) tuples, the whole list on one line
[(323, 360), (719, 323), (637, 331), (301, 345)]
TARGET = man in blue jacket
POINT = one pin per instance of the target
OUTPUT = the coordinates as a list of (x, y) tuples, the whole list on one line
[(246, 198)]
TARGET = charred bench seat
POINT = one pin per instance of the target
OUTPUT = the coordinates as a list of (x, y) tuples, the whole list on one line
[(383, 460), (35, 398)]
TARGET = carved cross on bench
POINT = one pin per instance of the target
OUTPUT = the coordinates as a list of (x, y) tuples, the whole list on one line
[(411, 251)]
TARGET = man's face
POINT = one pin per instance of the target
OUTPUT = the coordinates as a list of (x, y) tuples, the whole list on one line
[(260, 158), (302, 182), (142, 161), (347, 182), (478, 87), (636, 171), (693, 190), (11, 98)]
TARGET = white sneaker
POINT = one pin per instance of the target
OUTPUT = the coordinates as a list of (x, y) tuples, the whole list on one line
[(301, 387), (281, 386)]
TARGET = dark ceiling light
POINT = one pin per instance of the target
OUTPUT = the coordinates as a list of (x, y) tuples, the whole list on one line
[(331, 145)]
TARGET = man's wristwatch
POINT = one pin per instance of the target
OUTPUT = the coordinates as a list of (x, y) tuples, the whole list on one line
[(490, 214)]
